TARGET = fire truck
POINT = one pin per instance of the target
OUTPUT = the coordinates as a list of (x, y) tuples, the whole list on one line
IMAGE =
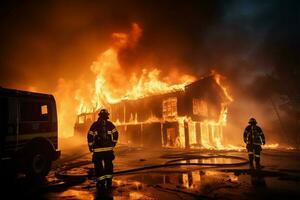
[(29, 136)]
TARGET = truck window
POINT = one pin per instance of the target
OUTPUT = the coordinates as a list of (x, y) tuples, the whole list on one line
[(34, 111), (44, 109)]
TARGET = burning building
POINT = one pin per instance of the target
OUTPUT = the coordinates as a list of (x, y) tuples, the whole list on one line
[(191, 117), (148, 109)]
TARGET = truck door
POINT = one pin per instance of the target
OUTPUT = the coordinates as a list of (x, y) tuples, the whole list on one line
[(9, 126), (35, 116), (3, 123)]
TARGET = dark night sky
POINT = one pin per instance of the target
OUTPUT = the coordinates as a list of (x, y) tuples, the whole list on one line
[(42, 41), (57, 37), (239, 38)]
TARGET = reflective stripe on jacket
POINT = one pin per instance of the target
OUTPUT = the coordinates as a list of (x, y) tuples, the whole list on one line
[(254, 135), (102, 136)]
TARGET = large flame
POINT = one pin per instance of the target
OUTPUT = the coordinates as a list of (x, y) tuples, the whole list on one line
[(114, 84), (218, 78)]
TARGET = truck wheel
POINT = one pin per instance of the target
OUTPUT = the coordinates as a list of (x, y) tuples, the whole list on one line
[(39, 163)]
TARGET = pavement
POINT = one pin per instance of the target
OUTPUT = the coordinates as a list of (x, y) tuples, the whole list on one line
[(278, 179)]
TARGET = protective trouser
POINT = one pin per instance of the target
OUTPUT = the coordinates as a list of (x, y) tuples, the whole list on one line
[(103, 163), (254, 153)]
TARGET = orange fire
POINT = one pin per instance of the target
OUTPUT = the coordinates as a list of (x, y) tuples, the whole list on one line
[(112, 84), (218, 78)]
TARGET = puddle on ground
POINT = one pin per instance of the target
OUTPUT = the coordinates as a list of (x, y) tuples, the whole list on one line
[(211, 161), (192, 180), (73, 194), (153, 185), (148, 185)]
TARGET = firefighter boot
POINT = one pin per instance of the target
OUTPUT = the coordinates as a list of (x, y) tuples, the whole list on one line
[(100, 185), (257, 163), (109, 184), (251, 161), (109, 189)]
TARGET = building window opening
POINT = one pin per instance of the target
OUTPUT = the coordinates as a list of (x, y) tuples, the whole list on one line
[(170, 107), (81, 119), (200, 107)]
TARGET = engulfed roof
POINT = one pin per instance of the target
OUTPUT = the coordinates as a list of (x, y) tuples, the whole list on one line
[(205, 84), (196, 88)]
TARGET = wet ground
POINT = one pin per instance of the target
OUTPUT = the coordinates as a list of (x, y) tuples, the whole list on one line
[(198, 177)]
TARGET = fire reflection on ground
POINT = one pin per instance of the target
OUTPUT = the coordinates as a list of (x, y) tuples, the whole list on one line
[(277, 178), (189, 182), (153, 185), (211, 161), (192, 180)]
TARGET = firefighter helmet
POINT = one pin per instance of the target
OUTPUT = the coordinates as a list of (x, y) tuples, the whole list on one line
[(103, 114), (252, 121)]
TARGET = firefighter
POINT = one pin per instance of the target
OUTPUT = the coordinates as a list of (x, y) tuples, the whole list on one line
[(102, 138), (254, 138)]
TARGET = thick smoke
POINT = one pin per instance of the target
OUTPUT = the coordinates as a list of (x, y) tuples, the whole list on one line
[(255, 44)]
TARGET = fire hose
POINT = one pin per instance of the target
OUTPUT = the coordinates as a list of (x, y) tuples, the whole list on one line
[(73, 179)]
